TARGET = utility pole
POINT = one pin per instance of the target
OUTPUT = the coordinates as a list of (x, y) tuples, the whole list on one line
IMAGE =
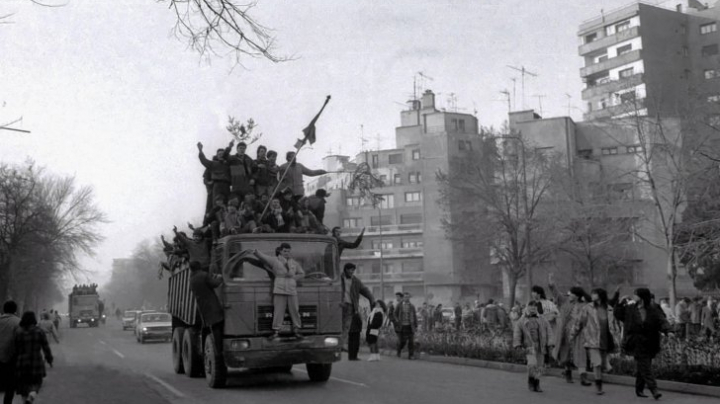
[(523, 73), (507, 95), (382, 267)]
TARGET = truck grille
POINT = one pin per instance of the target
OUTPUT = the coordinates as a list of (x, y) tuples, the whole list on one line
[(86, 313), (308, 318)]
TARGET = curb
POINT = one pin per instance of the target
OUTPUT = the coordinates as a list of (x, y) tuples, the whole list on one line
[(666, 385)]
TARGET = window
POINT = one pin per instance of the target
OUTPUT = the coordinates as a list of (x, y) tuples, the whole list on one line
[(395, 158), (397, 179), (584, 153), (626, 98), (461, 125), (382, 220), (608, 151), (416, 154), (625, 73), (591, 37), (352, 201), (383, 178), (461, 144), (465, 145), (633, 149), (709, 50), (603, 103), (602, 58), (388, 268), (710, 74), (708, 28), (714, 98), (413, 196), (411, 218), (386, 244), (414, 178), (624, 49), (412, 244), (375, 160), (353, 222), (387, 201), (623, 26)]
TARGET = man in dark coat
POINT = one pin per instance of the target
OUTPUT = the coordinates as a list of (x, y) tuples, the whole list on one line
[(219, 171), (9, 324), (352, 288), (406, 318), (342, 244), (202, 285), (242, 171), (198, 247), (316, 204), (643, 323)]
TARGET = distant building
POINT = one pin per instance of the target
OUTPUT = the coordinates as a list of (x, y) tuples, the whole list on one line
[(415, 254), (650, 60)]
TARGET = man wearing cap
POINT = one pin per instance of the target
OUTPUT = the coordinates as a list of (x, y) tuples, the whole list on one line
[(294, 176), (218, 170), (316, 204), (352, 288)]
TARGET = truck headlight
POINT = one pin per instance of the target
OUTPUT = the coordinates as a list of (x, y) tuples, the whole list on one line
[(144, 329), (240, 344), (331, 341)]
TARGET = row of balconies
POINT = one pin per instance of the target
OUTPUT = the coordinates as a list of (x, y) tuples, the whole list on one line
[(388, 229), (616, 111), (613, 63), (611, 87), (375, 253), (604, 42), (393, 277)]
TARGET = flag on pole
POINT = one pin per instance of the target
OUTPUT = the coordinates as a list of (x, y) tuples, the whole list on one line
[(309, 131)]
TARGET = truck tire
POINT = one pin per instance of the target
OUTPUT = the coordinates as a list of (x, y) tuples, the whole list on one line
[(215, 369), (192, 353), (319, 372), (177, 338)]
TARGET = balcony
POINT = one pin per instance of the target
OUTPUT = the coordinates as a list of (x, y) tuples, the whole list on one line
[(604, 42), (618, 111), (392, 277), (415, 252), (388, 229), (612, 87), (621, 60)]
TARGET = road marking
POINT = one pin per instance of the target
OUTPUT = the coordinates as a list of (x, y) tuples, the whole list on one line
[(337, 379), (172, 389), (117, 353)]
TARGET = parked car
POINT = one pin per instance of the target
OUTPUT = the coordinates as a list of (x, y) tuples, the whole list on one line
[(128, 319), (157, 326)]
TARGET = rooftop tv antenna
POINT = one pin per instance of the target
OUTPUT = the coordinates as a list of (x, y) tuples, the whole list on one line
[(452, 102), (514, 97), (540, 97), (363, 141), (419, 83), (523, 73), (6, 126), (506, 93)]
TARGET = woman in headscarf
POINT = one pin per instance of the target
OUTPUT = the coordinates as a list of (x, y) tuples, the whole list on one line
[(32, 351), (569, 351)]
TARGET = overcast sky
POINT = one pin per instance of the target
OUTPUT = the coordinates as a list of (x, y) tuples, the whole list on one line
[(113, 98)]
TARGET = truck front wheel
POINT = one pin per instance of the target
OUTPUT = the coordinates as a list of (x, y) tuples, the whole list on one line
[(177, 339), (192, 353), (215, 369), (319, 372)]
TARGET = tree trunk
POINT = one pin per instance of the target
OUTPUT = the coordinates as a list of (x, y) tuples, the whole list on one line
[(512, 283), (672, 275)]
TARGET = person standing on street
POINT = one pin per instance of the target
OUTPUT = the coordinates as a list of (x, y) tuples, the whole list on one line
[(48, 327), (568, 351), (406, 317), (31, 352), (643, 323), (457, 310), (9, 325), (682, 315), (375, 321), (352, 288), (392, 314), (287, 273), (533, 334), (708, 320), (202, 285)]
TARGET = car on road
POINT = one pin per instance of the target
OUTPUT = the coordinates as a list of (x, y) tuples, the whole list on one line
[(154, 326), (128, 319)]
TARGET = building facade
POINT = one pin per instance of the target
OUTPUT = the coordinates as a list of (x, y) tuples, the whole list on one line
[(650, 60), (405, 248)]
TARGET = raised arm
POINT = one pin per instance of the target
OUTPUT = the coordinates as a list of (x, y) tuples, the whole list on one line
[(203, 160), (266, 259), (311, 173)]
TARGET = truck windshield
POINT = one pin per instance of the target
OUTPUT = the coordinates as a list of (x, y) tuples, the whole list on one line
[(87, 300), (316, 258)]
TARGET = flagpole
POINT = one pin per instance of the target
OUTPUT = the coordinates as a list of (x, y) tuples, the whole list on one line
[(297, 151)]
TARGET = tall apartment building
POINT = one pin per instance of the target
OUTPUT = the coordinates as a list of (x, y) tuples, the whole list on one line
[(647, 59), (405, 248)]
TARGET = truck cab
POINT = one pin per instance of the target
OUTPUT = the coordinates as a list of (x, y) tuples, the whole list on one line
[(84, 309), (246, 296)]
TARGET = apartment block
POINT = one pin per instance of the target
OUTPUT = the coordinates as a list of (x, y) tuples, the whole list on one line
[(405, 248)]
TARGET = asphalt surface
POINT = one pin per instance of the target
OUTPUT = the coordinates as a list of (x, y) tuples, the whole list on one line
[(107, 365)]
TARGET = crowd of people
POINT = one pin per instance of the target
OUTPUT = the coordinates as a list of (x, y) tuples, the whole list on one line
[(89, 289)]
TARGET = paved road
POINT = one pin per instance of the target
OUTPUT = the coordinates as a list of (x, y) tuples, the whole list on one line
[(107, 365)]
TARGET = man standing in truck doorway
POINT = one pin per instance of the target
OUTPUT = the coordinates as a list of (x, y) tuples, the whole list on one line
[(202, 285)]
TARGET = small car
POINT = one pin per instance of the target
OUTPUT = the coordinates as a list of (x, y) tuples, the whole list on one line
[(128, 319), (154, 326)]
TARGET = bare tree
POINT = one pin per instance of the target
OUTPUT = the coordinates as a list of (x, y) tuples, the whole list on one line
[(499, 194), (214, 27), (136, 284)]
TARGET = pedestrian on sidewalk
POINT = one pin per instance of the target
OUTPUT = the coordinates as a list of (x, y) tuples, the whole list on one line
[(406, 318), (352, 288), (568, 351), (708, 320), (9, 325), (375, 321), (533, 334), (31, 352), (48, 327), (457, 311), (595, 324), (643, 323)]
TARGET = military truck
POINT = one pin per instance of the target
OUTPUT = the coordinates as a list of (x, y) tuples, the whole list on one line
[(84, 306), (247, 301)]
